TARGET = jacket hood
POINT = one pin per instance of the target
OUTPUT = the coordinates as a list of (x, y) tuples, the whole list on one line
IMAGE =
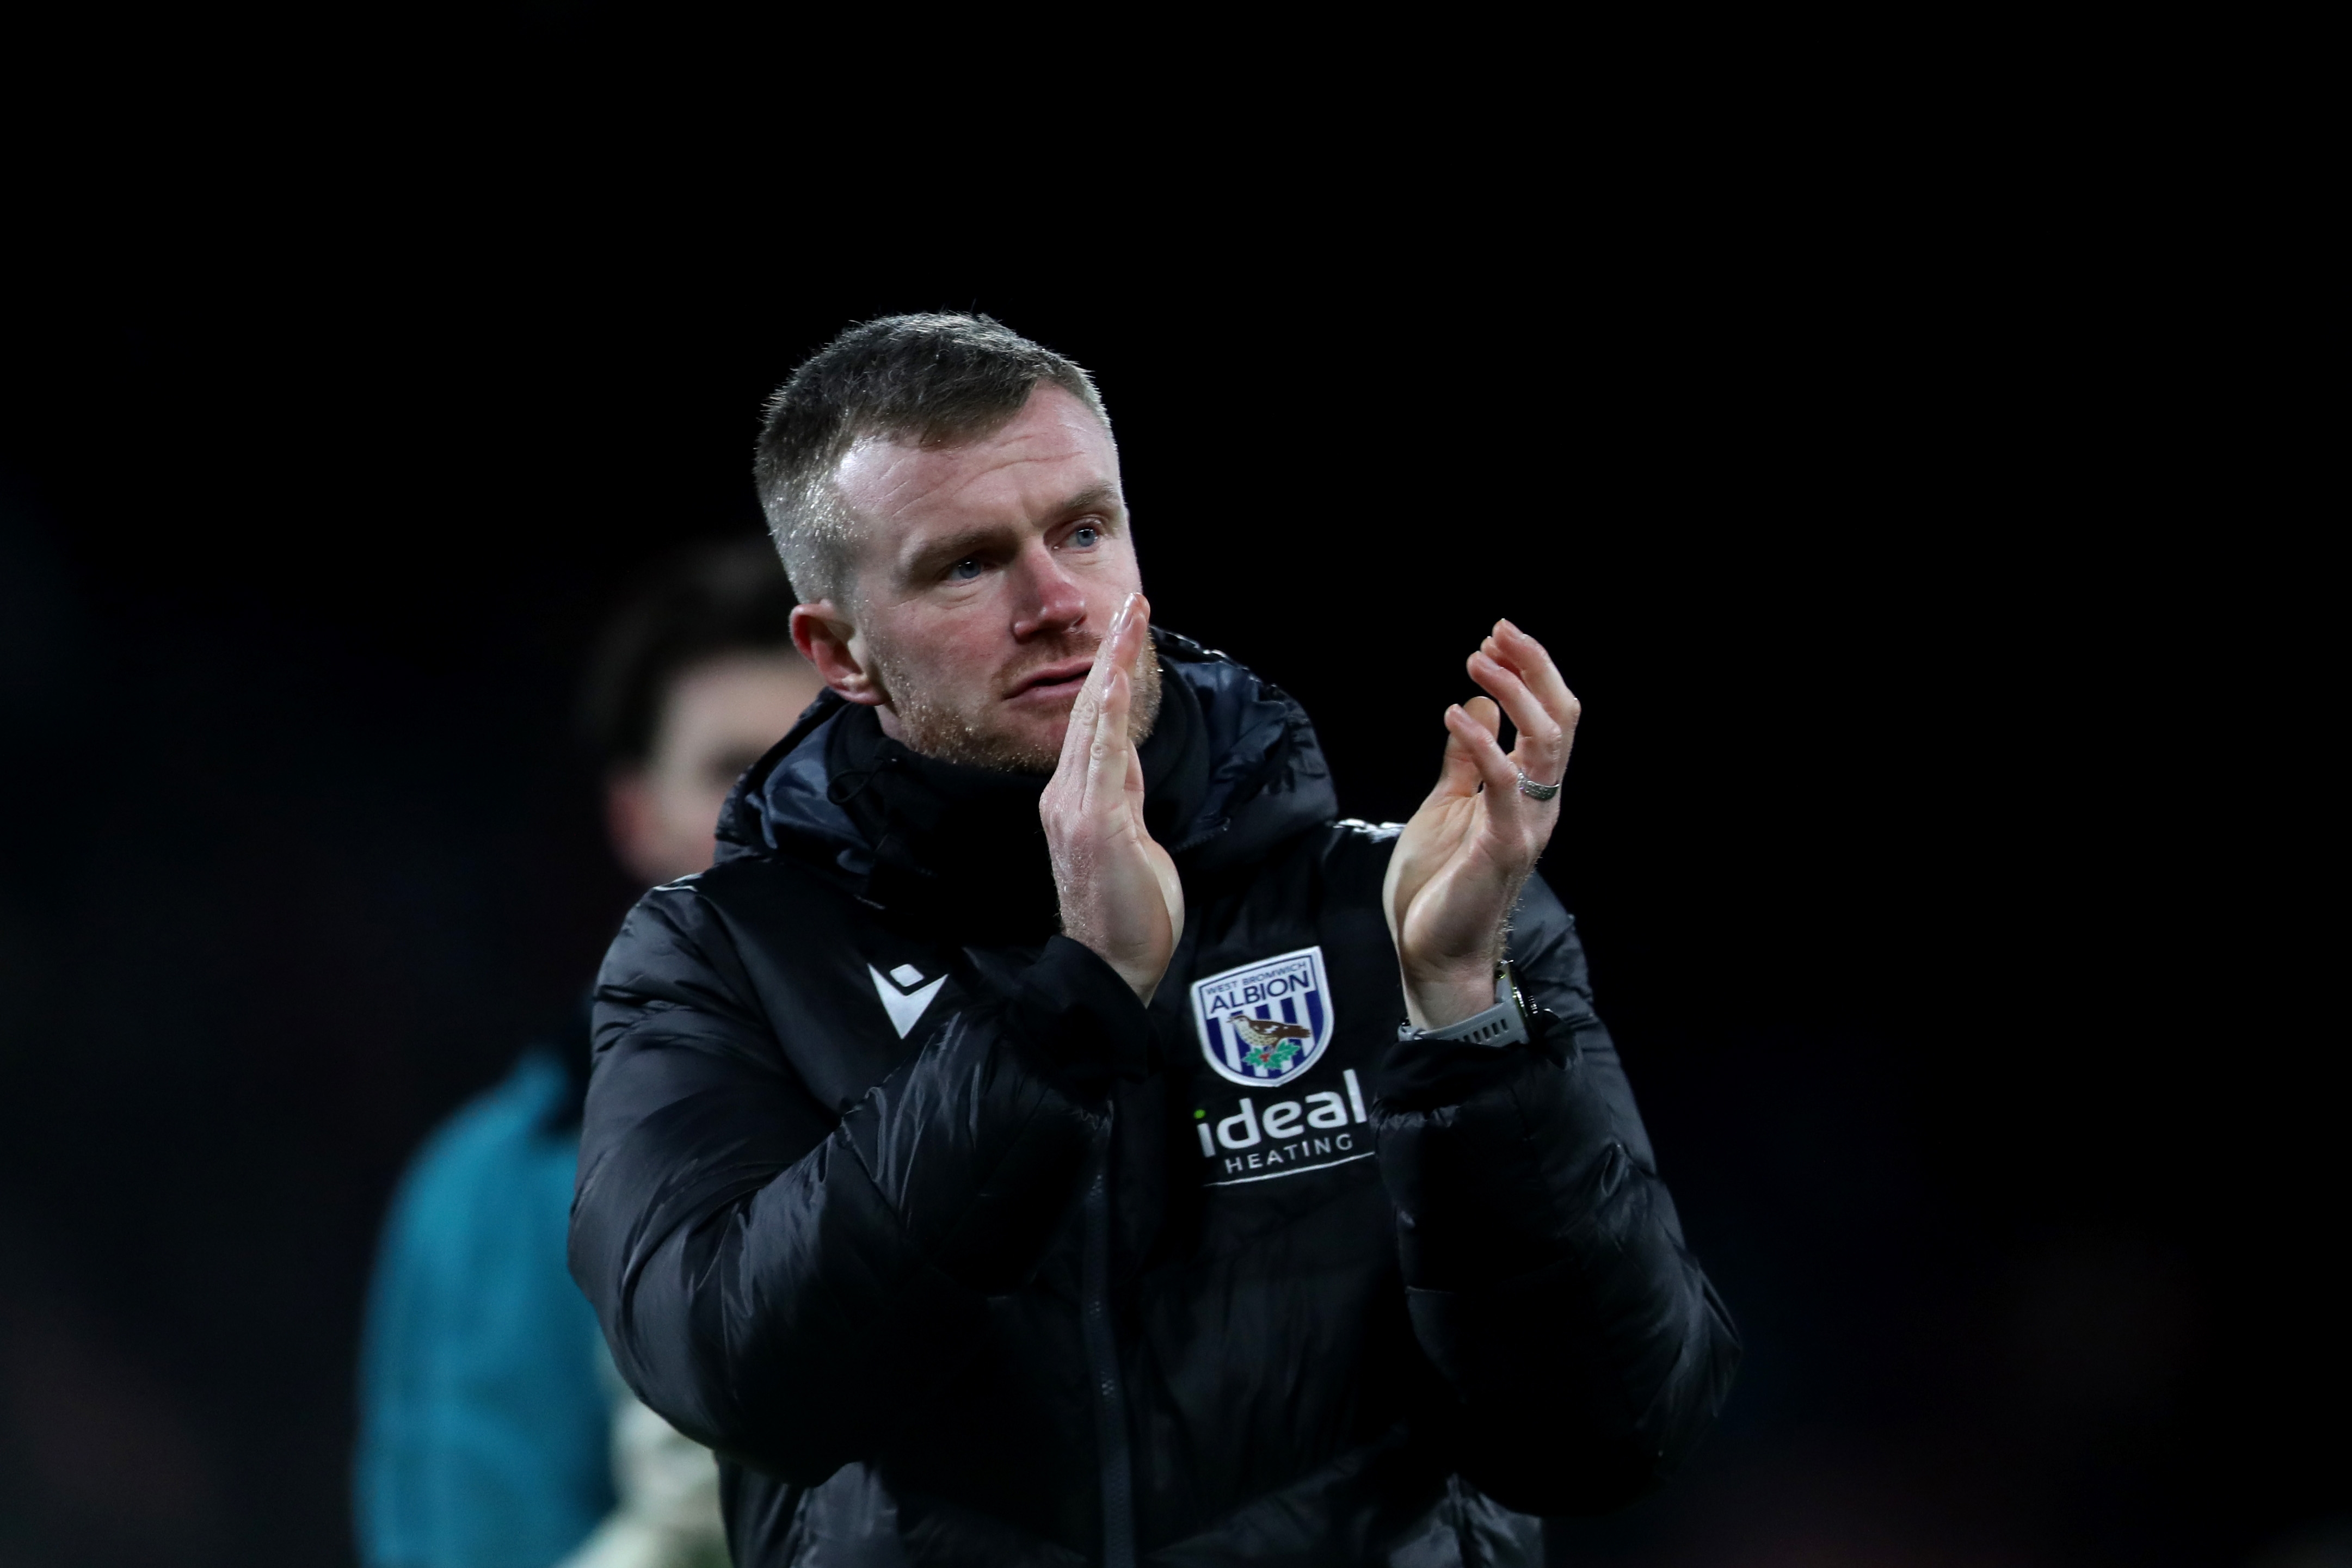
[(1267, 778)]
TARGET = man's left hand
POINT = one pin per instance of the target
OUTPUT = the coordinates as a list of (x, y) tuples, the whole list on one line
[(1459, 866)]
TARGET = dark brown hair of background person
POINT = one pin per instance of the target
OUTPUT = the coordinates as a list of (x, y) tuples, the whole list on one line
[(714, 600), (690, 682)]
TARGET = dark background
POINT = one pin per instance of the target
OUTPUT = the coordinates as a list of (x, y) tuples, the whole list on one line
[(1909, 825)]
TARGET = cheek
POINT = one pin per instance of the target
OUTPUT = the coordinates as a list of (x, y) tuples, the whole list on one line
[(707, 809), (948, 650), (1122, 568), (685, 815), (1106, 577)]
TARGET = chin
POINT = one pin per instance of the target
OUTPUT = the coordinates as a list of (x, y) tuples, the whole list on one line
[(1034, 748), (1028, 743)]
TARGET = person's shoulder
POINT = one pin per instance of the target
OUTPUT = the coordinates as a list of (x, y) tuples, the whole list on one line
[(515, 1107), (482, 1143), (743, 903), (682, 913), (720, 937), (746, 878)]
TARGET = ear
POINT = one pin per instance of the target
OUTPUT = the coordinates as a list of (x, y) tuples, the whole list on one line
[(828, 640)]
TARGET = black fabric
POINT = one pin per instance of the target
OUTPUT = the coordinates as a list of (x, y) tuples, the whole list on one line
[(850, 1095), (940, 830), (1420, 1074)]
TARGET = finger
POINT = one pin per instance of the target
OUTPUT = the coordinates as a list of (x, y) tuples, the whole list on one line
[(1533, 664), (1540, 749), (1489, 716), (1078, 738), (1079, 735), (1135, 784), (1116, 652), (1458, 773), (1129, 631), (1108, 747), (1120, 658), (1476, 731), (1138, 632)]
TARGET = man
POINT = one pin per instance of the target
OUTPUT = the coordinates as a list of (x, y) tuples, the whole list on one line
[(1045, 1135), (491, 1436)]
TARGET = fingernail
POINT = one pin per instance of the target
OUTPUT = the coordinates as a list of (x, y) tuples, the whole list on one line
[(1125, 608), (1507, 626)]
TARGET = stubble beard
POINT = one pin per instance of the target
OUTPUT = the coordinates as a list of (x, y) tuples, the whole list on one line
[(936, 727)]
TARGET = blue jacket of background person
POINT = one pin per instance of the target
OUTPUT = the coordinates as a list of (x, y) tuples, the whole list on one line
[(484, 1427)]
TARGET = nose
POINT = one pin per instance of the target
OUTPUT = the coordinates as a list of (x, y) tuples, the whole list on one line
[(1047, 600)]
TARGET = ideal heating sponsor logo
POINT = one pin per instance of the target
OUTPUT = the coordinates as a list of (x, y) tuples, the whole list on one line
[(1287, 1137)]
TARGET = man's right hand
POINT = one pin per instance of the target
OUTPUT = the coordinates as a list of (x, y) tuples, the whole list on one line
[(1120, 891)]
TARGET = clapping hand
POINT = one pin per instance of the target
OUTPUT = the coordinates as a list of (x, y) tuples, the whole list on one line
[(1459, 866), (1119, 888)]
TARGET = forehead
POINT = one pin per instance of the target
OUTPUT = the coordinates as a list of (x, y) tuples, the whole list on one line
[(1052, 449), (730, 690)]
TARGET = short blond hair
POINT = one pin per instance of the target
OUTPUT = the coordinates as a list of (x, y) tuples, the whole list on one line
[(933, 379)]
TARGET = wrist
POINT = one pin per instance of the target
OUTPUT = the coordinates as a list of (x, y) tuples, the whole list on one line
[(1437, 1001), (1144, 984), (1141, 975)]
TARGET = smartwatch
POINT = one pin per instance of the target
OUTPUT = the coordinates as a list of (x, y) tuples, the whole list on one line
[(1504, 1023)]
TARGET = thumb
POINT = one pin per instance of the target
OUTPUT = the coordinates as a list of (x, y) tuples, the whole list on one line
[(1458, 774)]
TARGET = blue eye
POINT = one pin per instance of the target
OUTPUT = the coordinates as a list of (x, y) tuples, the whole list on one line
[(1085, 536), (965, 570)]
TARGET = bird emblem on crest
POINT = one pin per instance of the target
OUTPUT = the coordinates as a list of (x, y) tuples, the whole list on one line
[(1266, 1021), (1272, 1042)]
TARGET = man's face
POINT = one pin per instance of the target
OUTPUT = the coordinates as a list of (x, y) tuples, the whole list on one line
[(985, 575), (716, 718)]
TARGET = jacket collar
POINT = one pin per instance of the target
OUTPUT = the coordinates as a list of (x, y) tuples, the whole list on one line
[(1255, 776)]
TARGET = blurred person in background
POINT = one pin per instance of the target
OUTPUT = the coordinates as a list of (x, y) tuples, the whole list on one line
[(493, 1431)]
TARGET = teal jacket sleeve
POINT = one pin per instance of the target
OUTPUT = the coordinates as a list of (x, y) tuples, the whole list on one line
[(484, 1432)]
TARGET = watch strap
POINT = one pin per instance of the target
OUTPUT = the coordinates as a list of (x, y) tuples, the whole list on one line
[(1504, 1023)]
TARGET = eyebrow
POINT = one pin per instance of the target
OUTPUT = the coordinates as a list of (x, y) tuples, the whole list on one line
[(1092, 495)]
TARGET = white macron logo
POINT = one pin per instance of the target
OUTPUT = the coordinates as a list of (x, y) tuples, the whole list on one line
[(900, 998)]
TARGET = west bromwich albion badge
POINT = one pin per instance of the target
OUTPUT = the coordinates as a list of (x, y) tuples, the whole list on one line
[(1266, 1022)]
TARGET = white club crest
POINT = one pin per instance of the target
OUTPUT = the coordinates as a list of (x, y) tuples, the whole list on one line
[(1266, 1022)]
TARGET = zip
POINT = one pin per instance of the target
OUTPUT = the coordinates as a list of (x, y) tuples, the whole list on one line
[(1102, 1362)]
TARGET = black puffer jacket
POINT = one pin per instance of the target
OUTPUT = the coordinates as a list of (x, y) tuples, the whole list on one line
[(960, 1254)]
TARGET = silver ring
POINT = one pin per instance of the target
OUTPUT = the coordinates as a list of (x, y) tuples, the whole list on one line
[(1533, 791)]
